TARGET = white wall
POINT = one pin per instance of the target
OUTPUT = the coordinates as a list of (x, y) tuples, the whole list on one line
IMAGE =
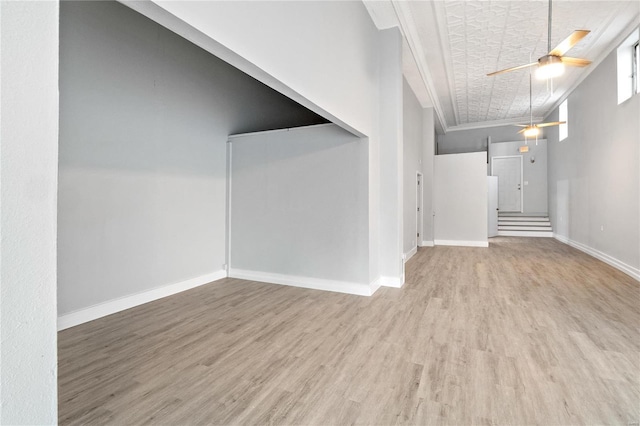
[(412, 163), (594, 174), (534, 174), (299, 208), (144, 120), (329, 57), (428, 158), (460, 199), (28, 177), (315, 52), (390, 168)]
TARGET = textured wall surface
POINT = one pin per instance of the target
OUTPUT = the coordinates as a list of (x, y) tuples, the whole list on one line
[(28, 178)]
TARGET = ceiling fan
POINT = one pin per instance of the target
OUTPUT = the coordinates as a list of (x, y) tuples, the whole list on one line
[(552, 64), (533, 130)]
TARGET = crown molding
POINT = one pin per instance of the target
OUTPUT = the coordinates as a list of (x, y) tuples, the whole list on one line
[(409, 30), (495, 123)]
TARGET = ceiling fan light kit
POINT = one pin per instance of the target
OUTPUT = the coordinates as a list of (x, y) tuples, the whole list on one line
[(553, 63), (549, 66), (530, 132)]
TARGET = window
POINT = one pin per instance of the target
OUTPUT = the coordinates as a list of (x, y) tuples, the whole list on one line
[(628, 67), (563, 115)]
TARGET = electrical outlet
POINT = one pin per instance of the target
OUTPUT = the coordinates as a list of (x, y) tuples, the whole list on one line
[(224, 266), (602, 227)]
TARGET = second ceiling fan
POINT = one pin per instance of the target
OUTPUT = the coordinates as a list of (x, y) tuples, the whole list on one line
[(552, 64)]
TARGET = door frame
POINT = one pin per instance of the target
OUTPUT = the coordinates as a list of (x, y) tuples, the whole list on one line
[(490, 211), (419, 208), (521, 176)]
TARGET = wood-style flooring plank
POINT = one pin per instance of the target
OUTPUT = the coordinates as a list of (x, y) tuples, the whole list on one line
[(528, 331)]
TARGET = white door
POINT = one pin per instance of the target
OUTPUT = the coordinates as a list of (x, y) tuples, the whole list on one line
[(492, 214), (509, 173)]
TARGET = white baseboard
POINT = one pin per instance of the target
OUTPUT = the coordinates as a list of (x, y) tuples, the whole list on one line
[(306, 282), (461, 243), (375, 285), (627, 269), (427, 244), (116, 305), (394, 282), (409, 254)]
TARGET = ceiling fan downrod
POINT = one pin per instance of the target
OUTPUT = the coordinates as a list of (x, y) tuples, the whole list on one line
[(549, 29)]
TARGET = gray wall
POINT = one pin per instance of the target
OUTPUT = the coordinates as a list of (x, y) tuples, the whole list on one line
[(144, 120), (412, 152), (594, 174), (534, 174), (28, 170), (475, 140), (299, 204)]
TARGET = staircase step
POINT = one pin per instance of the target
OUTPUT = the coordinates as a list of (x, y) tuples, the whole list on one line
[(524, 228), (524, 218), (523, 223), (545, 234)]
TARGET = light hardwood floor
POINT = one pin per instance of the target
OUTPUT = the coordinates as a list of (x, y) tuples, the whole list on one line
[(526, 331)]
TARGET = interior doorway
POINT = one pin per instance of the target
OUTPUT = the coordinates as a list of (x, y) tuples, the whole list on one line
[(508, 169), (492, 212)]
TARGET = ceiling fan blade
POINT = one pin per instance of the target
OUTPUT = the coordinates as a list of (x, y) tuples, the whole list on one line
[(569, 42), (523, 130), (511, 69), (521, 125), (554, 123), (575, 62)]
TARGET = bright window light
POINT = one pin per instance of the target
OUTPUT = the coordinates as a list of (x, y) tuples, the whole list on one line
[(627, 61), (563, 129)]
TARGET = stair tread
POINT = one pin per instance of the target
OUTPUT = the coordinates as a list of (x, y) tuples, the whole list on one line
[(525, 228), (524, 218), (546, 234), (509, 223)]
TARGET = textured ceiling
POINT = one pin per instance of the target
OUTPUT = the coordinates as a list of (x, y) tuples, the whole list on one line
[(456, 43)]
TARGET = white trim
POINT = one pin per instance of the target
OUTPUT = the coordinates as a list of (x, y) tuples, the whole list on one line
[(359, 289), (461, 243), (375, 285), (120, 304), (521, 178), (410, 33), (610, 260), (495, 123), (419, 206), (426, 243), (394, 282), (408, 255), (229, 199)]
